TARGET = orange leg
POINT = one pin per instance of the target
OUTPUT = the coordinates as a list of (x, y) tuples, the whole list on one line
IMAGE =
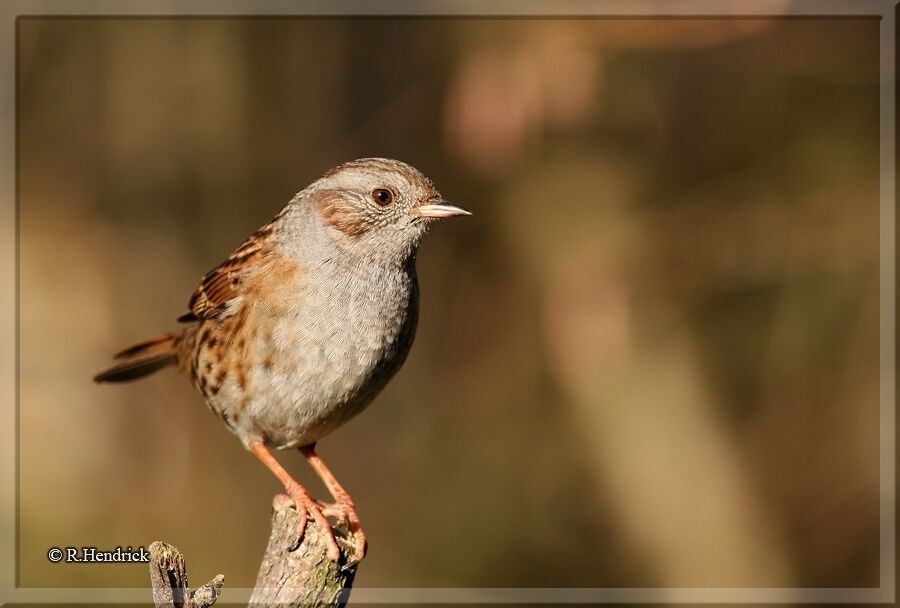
[(344, 504), (306, 506)]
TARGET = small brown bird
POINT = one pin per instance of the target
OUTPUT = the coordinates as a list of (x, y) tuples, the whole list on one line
[(303, 325)]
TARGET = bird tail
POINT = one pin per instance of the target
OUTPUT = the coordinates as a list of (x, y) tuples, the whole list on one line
[(149, 356)]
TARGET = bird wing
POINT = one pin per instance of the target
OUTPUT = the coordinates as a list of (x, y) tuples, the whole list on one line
[(222, 288)]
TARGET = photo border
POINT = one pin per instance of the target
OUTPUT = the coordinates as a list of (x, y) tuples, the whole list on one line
[(885, 11)]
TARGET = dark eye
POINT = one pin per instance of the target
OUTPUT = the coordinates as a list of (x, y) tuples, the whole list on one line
[(383, 196)]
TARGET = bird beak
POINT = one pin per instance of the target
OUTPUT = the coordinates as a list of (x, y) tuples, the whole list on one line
[(438, 210)]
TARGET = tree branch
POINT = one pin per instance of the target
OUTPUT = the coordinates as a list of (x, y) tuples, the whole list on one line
[(288, 576)]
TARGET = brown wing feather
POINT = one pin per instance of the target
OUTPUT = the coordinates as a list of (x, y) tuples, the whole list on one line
[(223, 285)]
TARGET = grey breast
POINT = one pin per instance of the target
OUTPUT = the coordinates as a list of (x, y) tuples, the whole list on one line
[(349, 334)]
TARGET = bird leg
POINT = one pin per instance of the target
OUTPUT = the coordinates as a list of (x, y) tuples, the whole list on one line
[(305, 504), (344, 508)]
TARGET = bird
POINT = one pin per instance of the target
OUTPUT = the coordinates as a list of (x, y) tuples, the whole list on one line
[(302, 326)]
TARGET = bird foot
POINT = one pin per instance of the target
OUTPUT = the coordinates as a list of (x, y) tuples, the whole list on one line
[(343, 512), (307, 507), (334, 511)]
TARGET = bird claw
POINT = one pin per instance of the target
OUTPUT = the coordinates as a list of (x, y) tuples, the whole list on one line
[(344, 512), (306, 508), (296, 544), (344, 515), (333, 510)]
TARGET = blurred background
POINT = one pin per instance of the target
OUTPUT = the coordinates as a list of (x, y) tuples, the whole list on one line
[(649, 359)]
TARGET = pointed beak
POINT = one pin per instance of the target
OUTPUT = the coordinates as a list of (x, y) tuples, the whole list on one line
[(439, 209)]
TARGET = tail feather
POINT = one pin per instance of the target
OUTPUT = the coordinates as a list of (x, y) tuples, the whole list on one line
[(157, 344), (144, 358)]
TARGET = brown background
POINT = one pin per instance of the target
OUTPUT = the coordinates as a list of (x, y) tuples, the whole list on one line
[(649, 359)]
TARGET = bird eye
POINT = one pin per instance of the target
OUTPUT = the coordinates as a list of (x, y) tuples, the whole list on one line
[(383, 196)]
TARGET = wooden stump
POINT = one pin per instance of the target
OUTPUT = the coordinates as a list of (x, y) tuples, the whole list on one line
[(288, 576)]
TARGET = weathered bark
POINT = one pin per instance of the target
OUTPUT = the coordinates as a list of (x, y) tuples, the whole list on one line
[(168, 576), (289, 575), (305, 576)]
